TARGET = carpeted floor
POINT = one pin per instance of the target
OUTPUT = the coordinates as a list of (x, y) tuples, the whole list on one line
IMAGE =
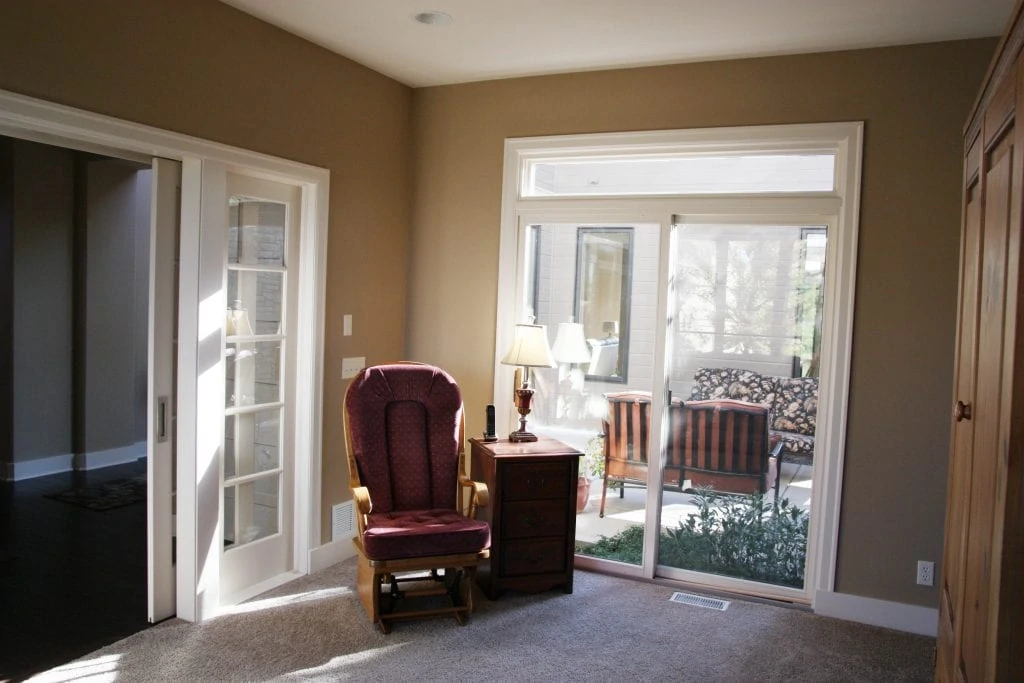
[(609, 629)]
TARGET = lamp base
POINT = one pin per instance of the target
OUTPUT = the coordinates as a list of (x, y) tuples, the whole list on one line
[(521, 435)]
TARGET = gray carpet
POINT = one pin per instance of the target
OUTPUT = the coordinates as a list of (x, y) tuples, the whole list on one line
[(609, 629)]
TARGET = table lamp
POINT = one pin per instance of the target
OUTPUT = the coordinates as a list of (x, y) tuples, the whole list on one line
[(570, 344), (529, 350)]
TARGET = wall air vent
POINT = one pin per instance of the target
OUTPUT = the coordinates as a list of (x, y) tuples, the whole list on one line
[(342, 521)]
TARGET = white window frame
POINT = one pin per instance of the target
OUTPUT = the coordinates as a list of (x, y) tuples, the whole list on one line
[(839, 210), (41, 121)]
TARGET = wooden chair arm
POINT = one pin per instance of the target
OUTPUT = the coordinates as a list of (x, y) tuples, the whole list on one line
[(479, 497), (363, 505)]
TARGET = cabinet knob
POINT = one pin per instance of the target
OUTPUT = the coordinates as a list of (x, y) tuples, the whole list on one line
[(962, 411)]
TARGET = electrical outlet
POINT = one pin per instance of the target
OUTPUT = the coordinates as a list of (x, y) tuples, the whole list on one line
[(350, 367), (925, 573)]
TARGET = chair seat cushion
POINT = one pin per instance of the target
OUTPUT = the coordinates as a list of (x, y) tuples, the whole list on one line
[(797, 444), (421, 533)]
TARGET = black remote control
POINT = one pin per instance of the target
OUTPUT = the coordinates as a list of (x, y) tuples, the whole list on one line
[(490, 434)]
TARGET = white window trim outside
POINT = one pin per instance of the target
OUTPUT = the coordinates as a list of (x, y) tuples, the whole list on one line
[(40, 121), (839, 210)]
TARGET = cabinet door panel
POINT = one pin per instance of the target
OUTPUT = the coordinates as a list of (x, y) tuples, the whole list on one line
[(963, 435), (978, 576)]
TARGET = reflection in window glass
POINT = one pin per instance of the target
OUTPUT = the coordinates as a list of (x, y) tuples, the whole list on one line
[(603, 277), (753, 292)]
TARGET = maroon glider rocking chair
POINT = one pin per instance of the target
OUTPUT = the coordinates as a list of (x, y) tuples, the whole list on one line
[(418, 542)]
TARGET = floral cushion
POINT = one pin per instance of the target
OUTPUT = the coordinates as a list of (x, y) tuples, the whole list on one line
[(793, 401), (734, 383), (795, 407), (796, 444)]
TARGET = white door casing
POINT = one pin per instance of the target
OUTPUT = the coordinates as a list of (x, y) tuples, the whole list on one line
[(197, 595)]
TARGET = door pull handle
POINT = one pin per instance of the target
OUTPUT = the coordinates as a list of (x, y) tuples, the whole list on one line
[(962, 411), (161, 419)]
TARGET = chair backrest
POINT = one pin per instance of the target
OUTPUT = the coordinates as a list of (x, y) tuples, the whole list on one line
[(404, 428), (629, 419), (728, 438), (627, 438)]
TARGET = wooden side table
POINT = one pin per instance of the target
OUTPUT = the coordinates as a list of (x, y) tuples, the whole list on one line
[(532, 513)]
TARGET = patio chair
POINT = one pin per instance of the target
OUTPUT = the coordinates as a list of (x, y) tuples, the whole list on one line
[(404, 429), (726, 445), (722, 443), (626, 443)]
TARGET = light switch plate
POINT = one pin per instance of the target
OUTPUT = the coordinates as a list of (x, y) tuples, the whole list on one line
[(346, 325), (350, 367)]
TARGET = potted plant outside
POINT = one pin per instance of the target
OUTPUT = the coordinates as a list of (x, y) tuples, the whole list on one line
[(591, 467)]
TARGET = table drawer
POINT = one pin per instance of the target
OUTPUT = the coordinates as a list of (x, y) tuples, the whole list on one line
[(541, 556), (530, 519), (535, 481)]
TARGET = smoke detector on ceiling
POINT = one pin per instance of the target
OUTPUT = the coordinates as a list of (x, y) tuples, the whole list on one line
[(433, 18)]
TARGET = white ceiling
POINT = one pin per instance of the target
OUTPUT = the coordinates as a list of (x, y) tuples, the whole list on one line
[(490, 39)]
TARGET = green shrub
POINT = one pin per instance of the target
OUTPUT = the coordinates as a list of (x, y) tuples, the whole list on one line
[(743, 537)]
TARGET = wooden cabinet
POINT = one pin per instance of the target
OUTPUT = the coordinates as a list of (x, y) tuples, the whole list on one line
[(981, 596), (532, 513)]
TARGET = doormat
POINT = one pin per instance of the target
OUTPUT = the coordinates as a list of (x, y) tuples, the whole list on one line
[(106, 496)]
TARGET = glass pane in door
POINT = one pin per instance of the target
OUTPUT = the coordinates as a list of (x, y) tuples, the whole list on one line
[(254, 346), (594, 286), (250, 511), (251, 442), (746, 336)]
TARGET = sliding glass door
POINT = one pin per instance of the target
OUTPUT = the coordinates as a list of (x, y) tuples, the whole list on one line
[(721, 447), (745, 319)]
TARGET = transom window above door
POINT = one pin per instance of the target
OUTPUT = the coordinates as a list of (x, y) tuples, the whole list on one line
[(681, 173)]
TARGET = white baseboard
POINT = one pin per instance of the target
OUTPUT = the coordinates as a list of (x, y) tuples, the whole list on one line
[(330, 554), (55, 464), (110, 457), (895, 615), (30, 469)]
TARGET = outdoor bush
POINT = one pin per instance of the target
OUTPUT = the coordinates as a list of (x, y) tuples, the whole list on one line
[(744, 537)]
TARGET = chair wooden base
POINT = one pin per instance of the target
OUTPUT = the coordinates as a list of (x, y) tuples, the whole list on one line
[(438, 586)]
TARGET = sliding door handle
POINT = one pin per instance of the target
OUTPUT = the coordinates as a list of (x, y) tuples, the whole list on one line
[(161, 419)]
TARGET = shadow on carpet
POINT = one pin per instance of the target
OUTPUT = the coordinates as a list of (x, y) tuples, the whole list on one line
[(106, 496)]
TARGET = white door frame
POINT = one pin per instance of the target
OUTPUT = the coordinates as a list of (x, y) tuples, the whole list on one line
[(845, 140), (33, 119)]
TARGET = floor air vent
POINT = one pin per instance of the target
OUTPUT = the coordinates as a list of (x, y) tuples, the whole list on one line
[(700, 601)]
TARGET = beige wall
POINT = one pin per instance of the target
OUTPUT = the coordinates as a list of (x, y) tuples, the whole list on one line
[(109, 404), (913, 101), (203, 68), (44, 179)]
